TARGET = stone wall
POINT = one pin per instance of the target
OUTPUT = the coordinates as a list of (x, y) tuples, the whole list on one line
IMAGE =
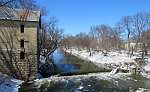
[(27, 66)]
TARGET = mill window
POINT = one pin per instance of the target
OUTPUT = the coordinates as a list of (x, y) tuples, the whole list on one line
[(22, 28), (22, 55), (22, 43)]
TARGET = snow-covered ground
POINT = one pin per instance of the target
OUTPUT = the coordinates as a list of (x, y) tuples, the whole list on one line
[(113, 58), (103, 76), (81, 82), (98, 57), (93, 82), (8, 84)]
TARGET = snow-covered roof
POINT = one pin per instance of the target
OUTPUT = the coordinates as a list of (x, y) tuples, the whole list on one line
[(19, 14)]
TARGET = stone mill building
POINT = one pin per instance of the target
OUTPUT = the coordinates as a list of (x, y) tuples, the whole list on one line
[(19, 45)]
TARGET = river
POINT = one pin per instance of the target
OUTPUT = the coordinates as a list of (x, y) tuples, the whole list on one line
[(89, 78), (59, 59), (67, 63)]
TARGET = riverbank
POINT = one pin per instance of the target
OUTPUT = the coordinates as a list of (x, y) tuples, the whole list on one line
[(112, 59), (9, 84), (93, 82), (99, 57), (84, 66), (86, 82), (65, 64)]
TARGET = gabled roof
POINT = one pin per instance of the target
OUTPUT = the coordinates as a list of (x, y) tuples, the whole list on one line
[(19, 14)]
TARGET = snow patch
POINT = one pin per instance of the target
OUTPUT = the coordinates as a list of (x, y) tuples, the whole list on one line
[(142, 90), (114, 71), (80, 87), (8, 84), (99, 57)]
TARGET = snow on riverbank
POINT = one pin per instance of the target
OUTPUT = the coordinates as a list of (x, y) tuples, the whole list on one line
[(147, 66), (95, 81), (8, 84), (112, 60), (100, 76), (98, 57)]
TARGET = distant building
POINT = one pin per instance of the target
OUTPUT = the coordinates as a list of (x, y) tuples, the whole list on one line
[(23, 27), (133, 45)]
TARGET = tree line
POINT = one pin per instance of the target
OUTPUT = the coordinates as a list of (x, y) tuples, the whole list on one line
[(130, 29)]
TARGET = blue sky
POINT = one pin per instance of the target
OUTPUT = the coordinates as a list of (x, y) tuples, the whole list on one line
[(78, 15)]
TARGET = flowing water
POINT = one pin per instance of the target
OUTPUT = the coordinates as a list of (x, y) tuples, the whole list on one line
[(87, 82)]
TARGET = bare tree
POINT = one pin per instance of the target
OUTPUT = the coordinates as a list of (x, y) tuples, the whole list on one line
[(126, 25), (93, 34), (8, 51), (104, 39), (115, 38), (145, 39), (50, 39), (51, 36), (141, 23), (69, 41), (21, 4)]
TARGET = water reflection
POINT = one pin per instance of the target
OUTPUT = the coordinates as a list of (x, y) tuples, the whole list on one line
[(59, 60)]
